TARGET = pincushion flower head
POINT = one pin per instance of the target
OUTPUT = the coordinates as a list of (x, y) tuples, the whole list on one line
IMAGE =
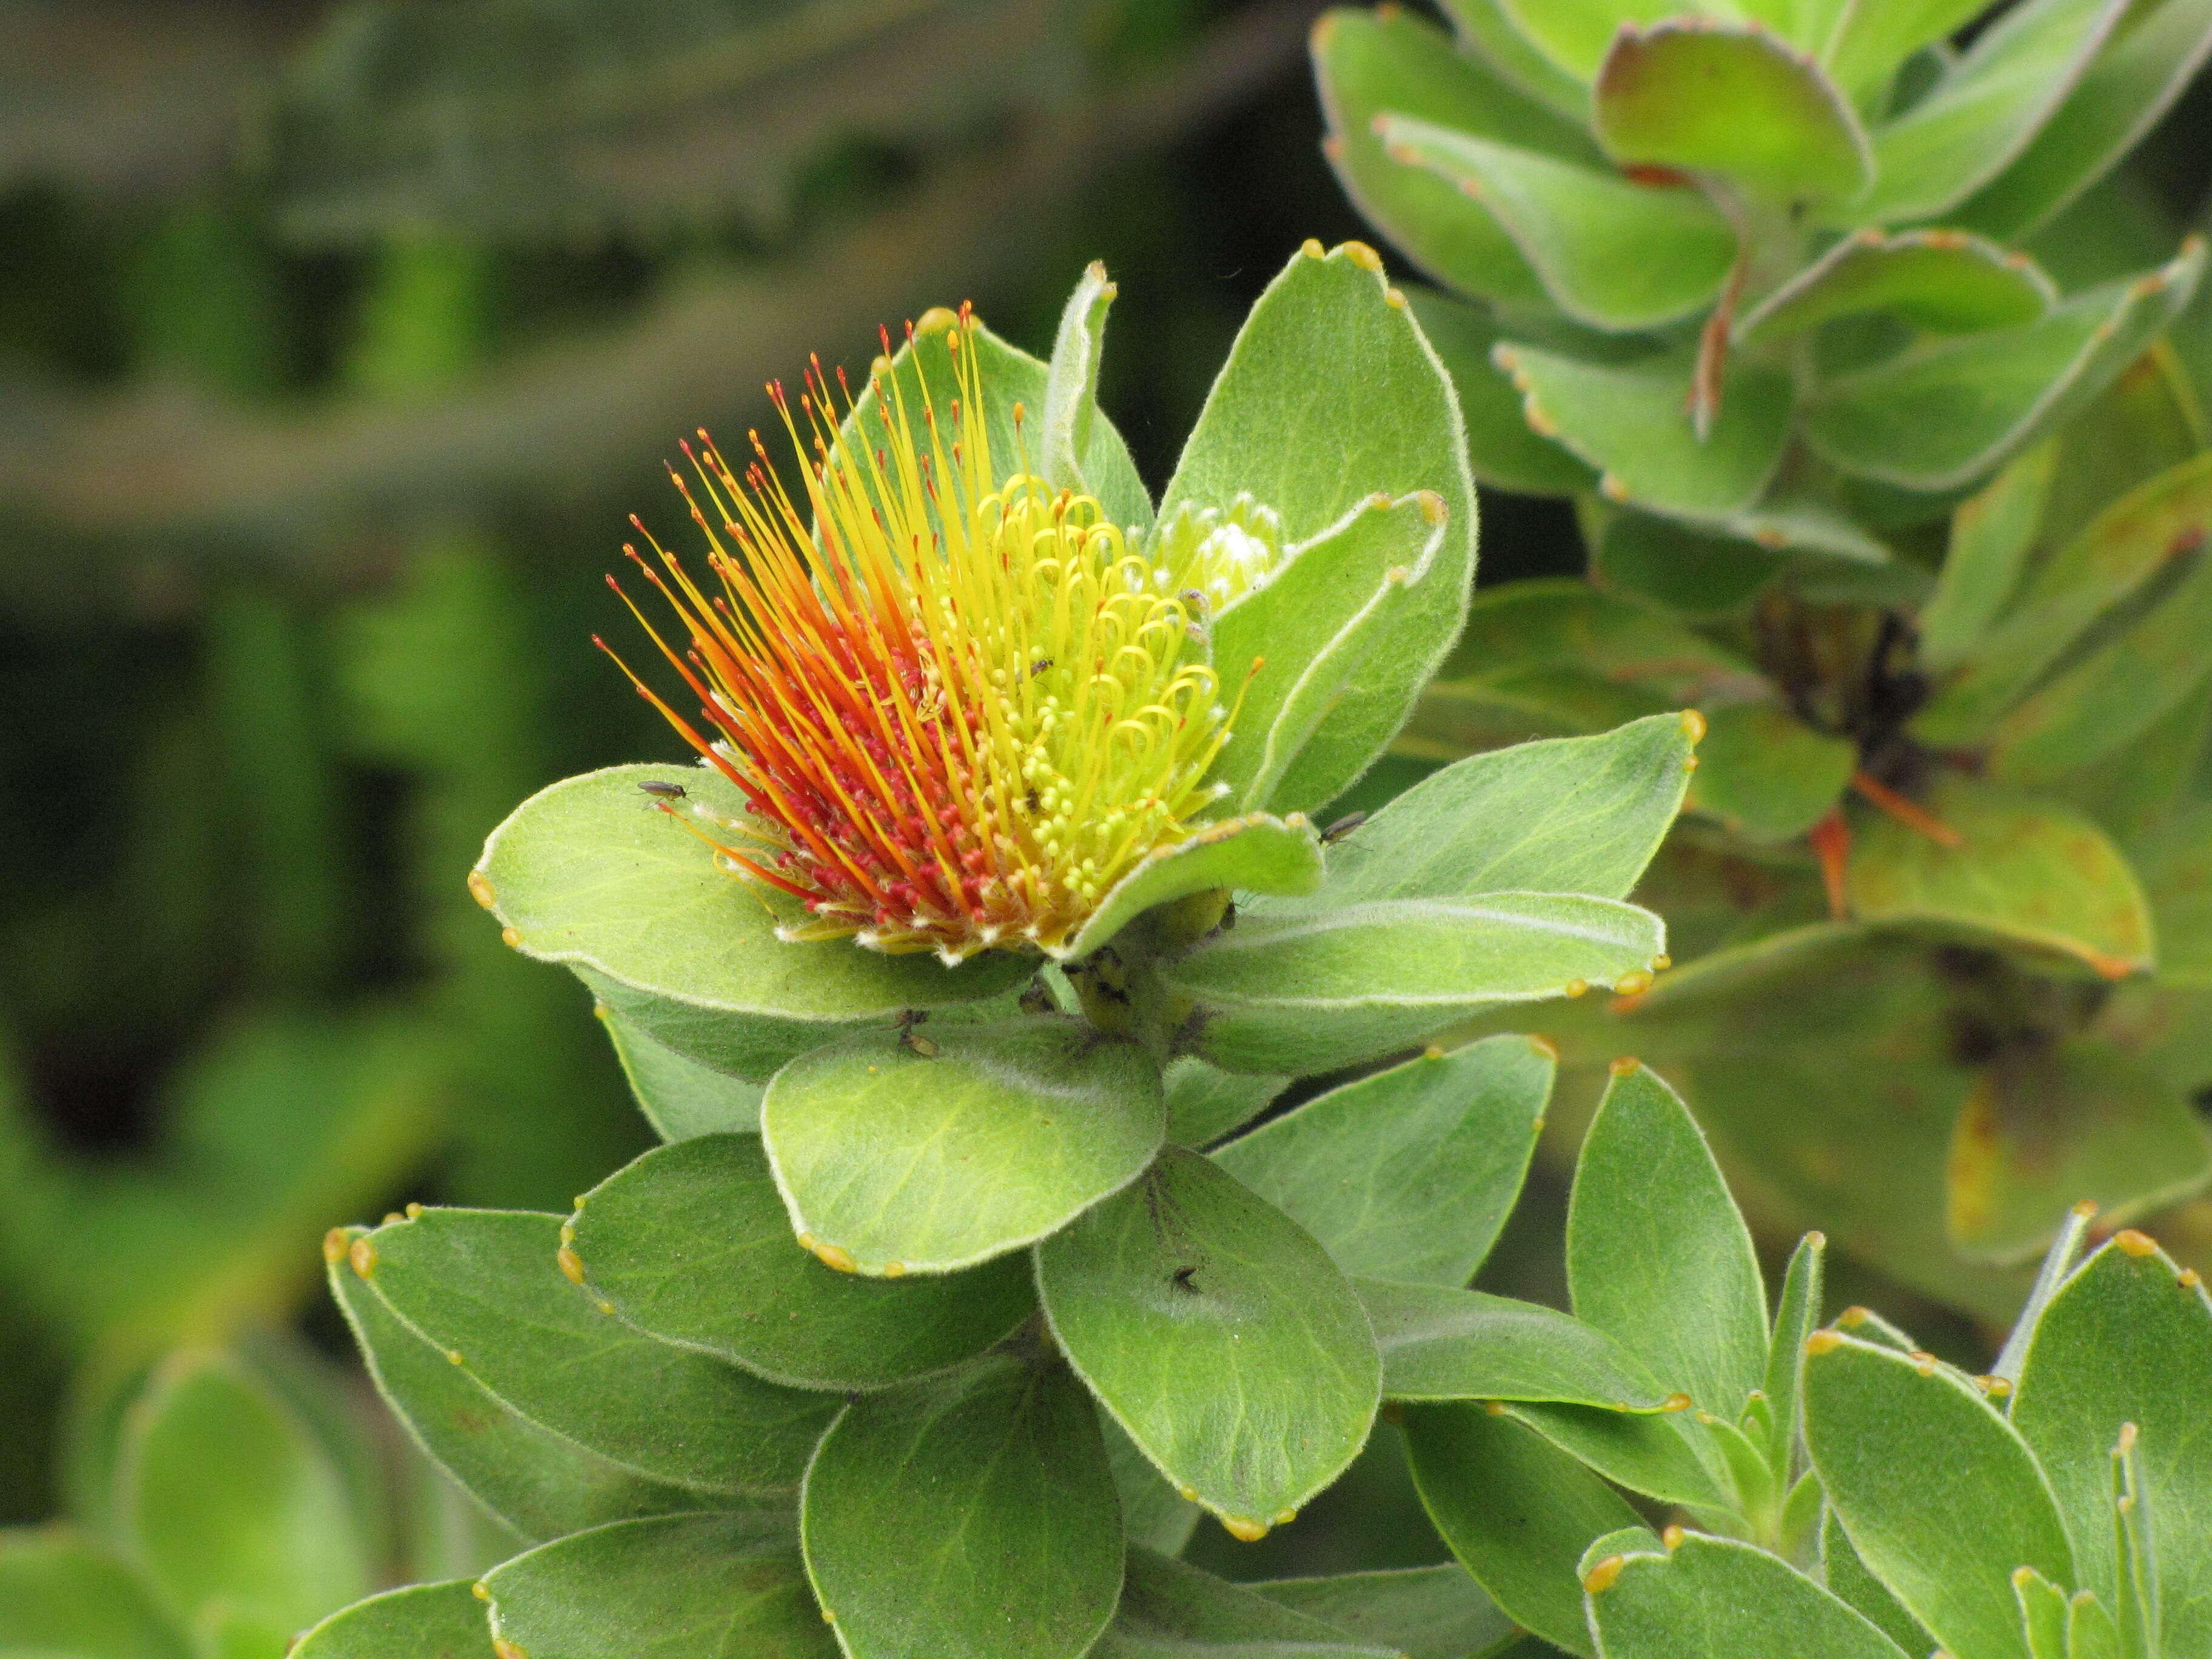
[(959, 702)]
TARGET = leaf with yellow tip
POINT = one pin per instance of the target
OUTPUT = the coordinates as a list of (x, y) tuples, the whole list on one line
[(1705, 1596), (1255, 853), (421, 1621)]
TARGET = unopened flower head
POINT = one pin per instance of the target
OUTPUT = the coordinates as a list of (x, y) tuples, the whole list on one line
[(958, 708)]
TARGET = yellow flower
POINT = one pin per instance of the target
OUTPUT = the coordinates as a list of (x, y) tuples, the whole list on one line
[(958, 708)]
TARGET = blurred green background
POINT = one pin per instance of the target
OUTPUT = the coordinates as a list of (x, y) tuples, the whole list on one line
[(336, 342)]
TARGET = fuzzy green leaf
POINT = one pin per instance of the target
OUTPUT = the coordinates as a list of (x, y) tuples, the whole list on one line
[(1630, 423), (1730, 100), (1576, 815), (674, 1587), (1657, 1257), (679, 1096), (1153, 1513), (2027, 873), (63, 1593), (929, 1154), (1308, 994), (1795, 1320), (1665, 563), (1032, 1568), (1422, 1613), (1670, 1458), (1942, 281), (691, 1245), (1847, 1576), (423, 1621), (1442, 1343), (1516, 1512), (1984, 109), (1487, 32), (1078, 448), (1937, 419), (1205, 1103), (1937, 1493), (2151, 56), (1765, 773), (1254, 853), (1611, 253), (2129, 1340), (1866, 41), (539, 1483), (1505, 452), (228, 1503), (1218, 1334), (1407, 1174), (1576, 35), (1390, 428), (482, 1286), (1367, 62), (1294, 647), (1715, 1596), (589, 874), (1171, 1610)]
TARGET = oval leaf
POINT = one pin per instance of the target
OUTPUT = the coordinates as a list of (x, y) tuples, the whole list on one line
[(691, 1243), (1938, 1493), (1423, 1612), (589, 873), (1254, 853), (1766, 774), (483, 1286), (1713, 1595), (906, 1153), (679, 1096), (1943, 282), (1219, 1335), (1440, 1343), (1168, 1607), (423, 1621), (1033, 1568), (674, 1587), (62, 1593), (1406, 1175)]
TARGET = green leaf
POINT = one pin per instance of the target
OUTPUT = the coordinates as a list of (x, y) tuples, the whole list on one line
[(1715, 1596), (1422, 1613), (1630, 423), (1766, 774), (1563, 622), (1576, 815), (2120, 558), (1443, 1343), (691, 1245), (2124, 1139), (1153, 1513), (1868, 41), (1391, 428), (589, 873), (1308, 994), (2042, 1613), (1938, 1493), (1665, 563), (672, 1586), (2027, 874), (1204, 1102), (1078, 448), (1254, 853), (1032, 1568), (1171, 1610), (1486, 33), (1937, 419), (1732, 101), (1219, 1335), (2104, 702), (1576, 35), (680, 1096), (1984, 109), (228, 1503), (1410, 1173), (63, 1593), (1794, 1321), (1847, 1576), (1367, 62), (1611, 253), (1657, 1257), (537, 1483), (482, 1286), (1503, 452), (1667, 1457), (2059, 1264), (1992, 534), (1942, 282), (1296, 642), (2128, 1339), (2176, 867), (423, 1621), (2153, 54), (897, 1155), (1516, 1512)]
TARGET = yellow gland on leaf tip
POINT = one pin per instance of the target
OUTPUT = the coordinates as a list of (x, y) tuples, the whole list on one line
[(957, 704)]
